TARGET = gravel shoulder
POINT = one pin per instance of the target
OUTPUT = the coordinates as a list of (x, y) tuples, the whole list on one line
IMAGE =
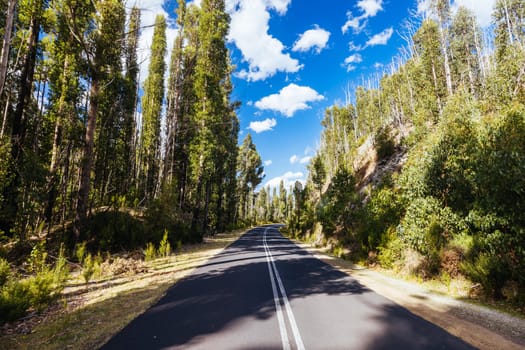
[(480, 326)]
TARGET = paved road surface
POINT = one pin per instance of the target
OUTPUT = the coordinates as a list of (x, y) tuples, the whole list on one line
[(264, 292)]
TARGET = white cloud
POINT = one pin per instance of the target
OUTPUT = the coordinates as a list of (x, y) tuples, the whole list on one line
[(354, 23), (295, 159), (369, 8), (351, 60), (353, 47), (268, 162), (289, 179), (249, 32), (482, 9), (289, 100), (305, 160), (355, 58), (264, 125), (281, 6), (314, 38), (381, 38)]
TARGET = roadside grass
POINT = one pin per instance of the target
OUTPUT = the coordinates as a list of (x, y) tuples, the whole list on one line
[(89, 314)]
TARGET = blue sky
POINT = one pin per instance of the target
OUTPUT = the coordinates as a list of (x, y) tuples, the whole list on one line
[(295, 58)]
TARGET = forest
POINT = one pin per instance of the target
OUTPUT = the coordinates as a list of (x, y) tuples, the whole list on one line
[(90, 160), (421, 170)]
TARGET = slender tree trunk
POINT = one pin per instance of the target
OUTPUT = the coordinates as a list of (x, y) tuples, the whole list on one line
[(4, 119), (87, 160), (57, 141), (18, 126), (26, 85), (4, 54)]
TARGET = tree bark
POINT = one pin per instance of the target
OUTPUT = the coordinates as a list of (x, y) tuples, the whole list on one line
[(87, 161), (4, 55)]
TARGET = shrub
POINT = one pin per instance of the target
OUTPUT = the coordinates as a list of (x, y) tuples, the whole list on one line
[(37, 258), (164, 246), (18, 295), (385, 146), (14, 300), (5, 271), (41, 289), (392, 252), (88, 268), (80, 252), (150, 253), (489, 271), (379, 214), (427, 226), (61, 269)]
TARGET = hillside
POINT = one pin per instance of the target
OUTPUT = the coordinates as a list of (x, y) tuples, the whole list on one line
[(424, 173)]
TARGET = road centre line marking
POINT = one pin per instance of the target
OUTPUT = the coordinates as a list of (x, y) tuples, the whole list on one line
[(291, 318), (277, 301)]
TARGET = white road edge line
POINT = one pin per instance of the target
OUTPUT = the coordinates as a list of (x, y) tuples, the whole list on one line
[(276, 299), (291, 318)]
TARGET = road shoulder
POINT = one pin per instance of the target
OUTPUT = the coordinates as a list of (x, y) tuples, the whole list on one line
[(480, 326)]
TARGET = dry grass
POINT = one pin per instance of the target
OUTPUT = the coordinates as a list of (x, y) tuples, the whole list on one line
[(90, 314)]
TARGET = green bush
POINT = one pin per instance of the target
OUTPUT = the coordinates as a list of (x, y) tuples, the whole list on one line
[(489, 271), (378, 215), (150, 253), (384, 144), (61, 269), (391, 254), (14, 300), (88, 268), (37, 258), (427, 226), (18, 295), (335, 209), (5, 272), (80, 252), (164, 246)]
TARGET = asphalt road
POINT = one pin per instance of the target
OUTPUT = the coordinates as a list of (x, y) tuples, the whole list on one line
[(265, 292)]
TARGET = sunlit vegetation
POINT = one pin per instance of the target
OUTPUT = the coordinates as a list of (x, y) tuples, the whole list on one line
[(83, 154), (422, 171)]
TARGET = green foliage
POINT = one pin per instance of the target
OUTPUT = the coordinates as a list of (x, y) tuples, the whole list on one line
[(488, 270), (80, 252), (150, 253), (384, 144), (164, 246), (61, 269), (163, 215), (14, 300), (391, 255), (5, 272), (379, 215), (88, 267), (37, 291), (37, 258), (337, 208), (427, 227)]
